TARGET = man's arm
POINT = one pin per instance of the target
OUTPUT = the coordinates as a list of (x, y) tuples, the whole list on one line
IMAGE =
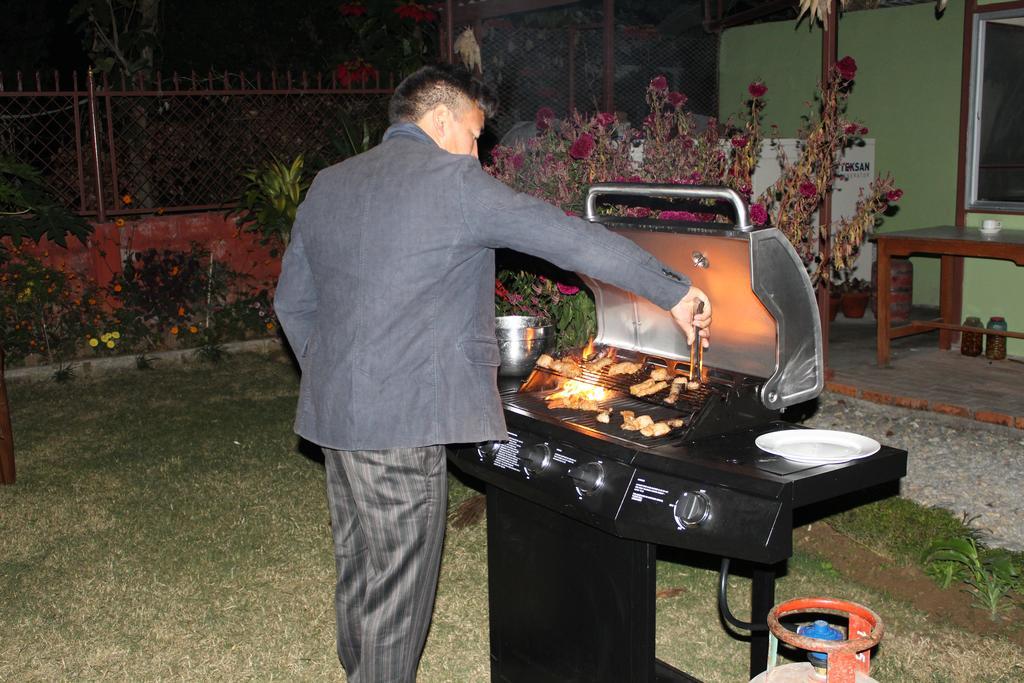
[(295, 301), (501, 217)]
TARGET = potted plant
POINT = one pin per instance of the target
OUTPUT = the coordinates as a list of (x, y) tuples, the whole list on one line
[(856, 293)]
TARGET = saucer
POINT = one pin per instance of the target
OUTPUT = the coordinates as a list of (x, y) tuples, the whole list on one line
[(990, 231)]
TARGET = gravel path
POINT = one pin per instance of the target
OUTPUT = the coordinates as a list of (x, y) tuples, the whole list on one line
[(961, 465)]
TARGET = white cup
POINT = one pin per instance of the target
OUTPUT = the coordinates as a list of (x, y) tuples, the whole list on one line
[(991, 225)]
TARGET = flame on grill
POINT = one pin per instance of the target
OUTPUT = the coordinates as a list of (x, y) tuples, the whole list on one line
[(579, 390), (588, 350)]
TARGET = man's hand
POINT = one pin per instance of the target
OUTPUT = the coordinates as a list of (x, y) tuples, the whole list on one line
[(691, 322)]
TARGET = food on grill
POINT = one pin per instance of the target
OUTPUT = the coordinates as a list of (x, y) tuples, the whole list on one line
[(595, 366), (605, 416), (567, 367), (647, 387), (573, 402), (659, 374), (677, 387), (624, 368), (644, 421), (676, 422), (692, 385), (656, 429)]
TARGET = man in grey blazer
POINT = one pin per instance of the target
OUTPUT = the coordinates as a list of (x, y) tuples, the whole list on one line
[(386, 296)]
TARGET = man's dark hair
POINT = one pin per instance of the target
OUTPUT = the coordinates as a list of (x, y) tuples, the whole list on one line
[(430, 86)]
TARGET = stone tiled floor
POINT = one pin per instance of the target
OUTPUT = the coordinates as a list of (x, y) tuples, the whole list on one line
[(921, 376)]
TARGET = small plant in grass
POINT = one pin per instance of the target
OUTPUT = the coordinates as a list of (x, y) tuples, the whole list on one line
[(212, 350), (989, 576), (64, 373), (144, 362)]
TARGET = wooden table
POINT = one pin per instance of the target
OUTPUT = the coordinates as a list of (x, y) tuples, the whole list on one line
[(952, 244)]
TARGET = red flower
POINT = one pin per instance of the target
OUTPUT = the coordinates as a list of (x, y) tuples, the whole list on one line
[(568, 290), (807, 189), (659, 83), (863, 130), (851, 129), (758, 214), (676, 99), (583, 147), (604, 119), (757, 89), (894, 195), (544, 118), (739, 142), (499, 289), (355, 73), (847, 68), (517, 161), (415, 11), (352, 9)]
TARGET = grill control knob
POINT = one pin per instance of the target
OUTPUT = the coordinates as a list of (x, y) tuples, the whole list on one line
[(488, 449), (536, 458), (588, 477), (692, 508)]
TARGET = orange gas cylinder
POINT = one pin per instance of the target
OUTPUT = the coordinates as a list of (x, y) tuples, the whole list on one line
[(848, 660)]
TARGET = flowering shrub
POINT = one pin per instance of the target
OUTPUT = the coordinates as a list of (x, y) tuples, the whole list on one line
[(384, 37), (46, 312), (568, 156), (162, 299)]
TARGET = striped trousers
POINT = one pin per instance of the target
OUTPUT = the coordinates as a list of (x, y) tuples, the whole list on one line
[(388, 518)]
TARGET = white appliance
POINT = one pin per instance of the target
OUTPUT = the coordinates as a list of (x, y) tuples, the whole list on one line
[(856, 172)]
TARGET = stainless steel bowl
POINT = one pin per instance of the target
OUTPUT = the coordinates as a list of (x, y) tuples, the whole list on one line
[(521, 339)]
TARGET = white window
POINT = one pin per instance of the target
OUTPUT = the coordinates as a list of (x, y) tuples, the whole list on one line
[(995, 134)]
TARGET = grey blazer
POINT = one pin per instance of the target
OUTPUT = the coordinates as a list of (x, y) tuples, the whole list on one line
[(386, 292)]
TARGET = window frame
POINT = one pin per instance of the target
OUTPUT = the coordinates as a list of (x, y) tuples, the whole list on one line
[(973, 138)]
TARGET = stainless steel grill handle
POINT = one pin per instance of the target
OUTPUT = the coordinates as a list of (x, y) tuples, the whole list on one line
[(670, 192)]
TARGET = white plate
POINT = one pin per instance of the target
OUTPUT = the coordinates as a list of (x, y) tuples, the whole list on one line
[(817, 446)]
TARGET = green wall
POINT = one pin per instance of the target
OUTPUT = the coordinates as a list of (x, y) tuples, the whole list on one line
[(907, 92)]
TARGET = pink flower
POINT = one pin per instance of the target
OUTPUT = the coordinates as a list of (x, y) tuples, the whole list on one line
[(894, 195), (757, 89), (807, 189), (517, 161), (847, 68), (676, 99), (659, 83), (758, 214), (678, 216), (583, 147), (544, 118), (739, 142), (850, 128), (568, 290), (604, 119), (638, 211)]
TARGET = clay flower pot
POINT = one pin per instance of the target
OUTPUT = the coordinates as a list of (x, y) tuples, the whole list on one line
[(855, 303), (834, 300)]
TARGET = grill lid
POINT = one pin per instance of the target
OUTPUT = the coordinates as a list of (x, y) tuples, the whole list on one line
[(766, 322)]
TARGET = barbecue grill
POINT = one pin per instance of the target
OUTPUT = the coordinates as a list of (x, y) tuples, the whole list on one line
[(577, 507)]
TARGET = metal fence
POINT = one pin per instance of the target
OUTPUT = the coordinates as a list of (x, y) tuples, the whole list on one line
[(562, 68), (180, 144)]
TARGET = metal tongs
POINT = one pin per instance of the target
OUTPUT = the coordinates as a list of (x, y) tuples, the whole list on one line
[(697, 348)]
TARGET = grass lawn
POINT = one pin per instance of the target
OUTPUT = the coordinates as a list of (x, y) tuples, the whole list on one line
[(167, 526)]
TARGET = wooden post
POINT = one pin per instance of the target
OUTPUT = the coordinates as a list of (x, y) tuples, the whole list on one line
[(6, 435), (829, 54)]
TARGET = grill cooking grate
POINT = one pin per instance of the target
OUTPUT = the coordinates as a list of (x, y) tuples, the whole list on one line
[(543, 382)]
